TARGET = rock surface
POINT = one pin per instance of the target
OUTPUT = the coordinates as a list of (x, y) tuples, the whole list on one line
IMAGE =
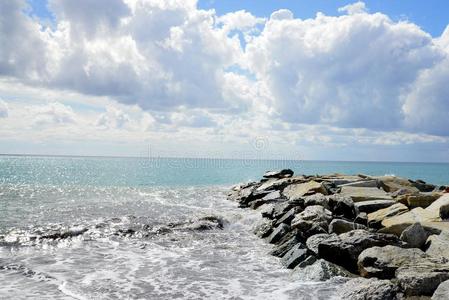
[(414, 235), (442, 292), (372, 289), (320, 270), (359, 194), (375, 218), (340, 226), (279, 174), (373, 205)]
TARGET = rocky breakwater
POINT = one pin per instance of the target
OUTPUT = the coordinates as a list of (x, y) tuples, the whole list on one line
[(387, 236)]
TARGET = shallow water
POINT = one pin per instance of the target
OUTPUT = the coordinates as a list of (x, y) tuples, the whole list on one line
[(109, 228)]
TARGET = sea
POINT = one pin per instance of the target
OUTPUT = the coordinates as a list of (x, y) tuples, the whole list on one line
[(150, 228)]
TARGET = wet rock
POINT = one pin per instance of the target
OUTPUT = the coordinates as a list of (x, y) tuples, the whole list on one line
[(345, 248), (414, 235), (295, 191), (294, 256), (321, 270), (313, 241), (341, 206), (264, 228), (373, 205), (375, 218), (359, 194), (442, 292), (373, 289), (310, 260), (382, 262), (280, 209), (278, 233), (278, 184), (285, 246), (315, 215), (288, 217), (269, 198), (279, 174), (339, 226)]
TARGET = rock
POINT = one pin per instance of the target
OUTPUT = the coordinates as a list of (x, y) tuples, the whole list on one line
[(288, 217), (313, 241), (422, 279), (382, 262), (278, 233), (373, 205), (279, 184), (359, 194), (440, 207), (272, 197), (281, 249), (442, 292), (296, 255), (310, 260), (321, 270), (280, 209), (422, 186), (392, 184), (339, 226), (372, 183), (375, 218), (317, 199), (345, 248), (315, 215), (295, 191), (429, 227), (279, 174), (361, 218), (421, 200), (415, 215), (341, 206), (264, 228), (414, 235), (372, 289), (438, 245)]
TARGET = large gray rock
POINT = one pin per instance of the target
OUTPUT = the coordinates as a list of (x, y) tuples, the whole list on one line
[(392, 184), (279, 184), (285, 245), (415, 215), (359, 194), (288, 216), (264, 228), (438, 245), (313, 241), (382, 262), (317, 199), (414, 235), (321, 270), (345, 248), (422, 279), (375, 218), (341, 206), (294, 256), (442, 292), (370, 183), (312, 216), (440, 207), (340, 226), (372, 289), (278, 233), (295, 191), (373, 205)]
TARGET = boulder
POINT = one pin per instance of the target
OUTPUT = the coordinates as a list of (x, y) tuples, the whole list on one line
[(310, 260), (279, 184), (422, 186), (371, 183), (421, 200), (361, 218), (315, 215), (414, 235), (283, 247), (382, 262), (279, 174), (313, 241), (345, 248), (339, 226), (320, 270), (288, 216), (442, 292), (294, 256), (415, 215), (372, 289), (440, 207), (295, 191), (279, 209), (264, 228), (341, 206), (392, 184), (359, 194), (373, 205), (317, 199), (375, 218), (272, 197), (438, 245), (422, 279), (429, 227), (278, 233)]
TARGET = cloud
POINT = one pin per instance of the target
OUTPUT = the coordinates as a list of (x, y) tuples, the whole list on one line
[(4, 111), (351, 71), (113, 118), (53, 113), (355, 8)]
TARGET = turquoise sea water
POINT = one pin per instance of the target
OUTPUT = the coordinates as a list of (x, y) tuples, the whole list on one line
[(130, 228)]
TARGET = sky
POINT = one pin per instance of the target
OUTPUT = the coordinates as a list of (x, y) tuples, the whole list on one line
[(317, 80)]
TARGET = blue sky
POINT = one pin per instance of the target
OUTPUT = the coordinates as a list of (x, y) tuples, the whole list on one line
[(259, 79)]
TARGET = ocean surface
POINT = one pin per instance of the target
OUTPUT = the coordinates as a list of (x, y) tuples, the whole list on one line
[(130, 228)]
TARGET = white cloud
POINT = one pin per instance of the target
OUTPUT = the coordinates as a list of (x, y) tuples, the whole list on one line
[(355, 8), (4, 110), (53, 113)]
